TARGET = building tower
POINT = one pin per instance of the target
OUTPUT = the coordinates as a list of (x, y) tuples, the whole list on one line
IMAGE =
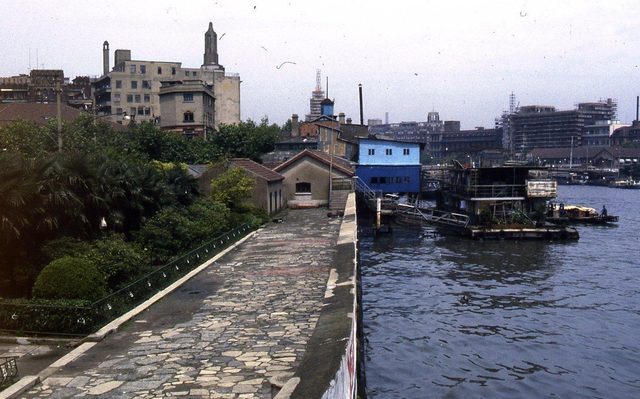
[(316, 99), (210, 46), (105, 57)]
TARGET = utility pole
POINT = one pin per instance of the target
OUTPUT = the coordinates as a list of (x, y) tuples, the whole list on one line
[(59, 117)]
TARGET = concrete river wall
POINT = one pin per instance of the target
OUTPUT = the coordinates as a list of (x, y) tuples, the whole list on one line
[(329, 367)]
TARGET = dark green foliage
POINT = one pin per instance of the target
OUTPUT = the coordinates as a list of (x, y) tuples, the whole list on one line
[(117, 260), (174, 231), (70, 278), (65, 246), (55, 204), (246, 139)]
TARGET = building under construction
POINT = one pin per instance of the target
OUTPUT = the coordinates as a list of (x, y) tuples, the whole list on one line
[(316, 99), (536, 126)]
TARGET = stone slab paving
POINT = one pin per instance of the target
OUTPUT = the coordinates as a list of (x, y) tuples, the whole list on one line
[(225, 333)]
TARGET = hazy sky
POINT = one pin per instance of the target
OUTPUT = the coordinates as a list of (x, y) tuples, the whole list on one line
[(461, 58)]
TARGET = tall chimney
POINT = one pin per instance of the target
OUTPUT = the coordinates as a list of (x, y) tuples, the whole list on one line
[(341, 118), (105, 57), (637, 106), (295, 126), (361, 113)]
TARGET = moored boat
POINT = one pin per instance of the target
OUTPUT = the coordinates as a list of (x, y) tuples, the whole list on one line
[(566, 214)]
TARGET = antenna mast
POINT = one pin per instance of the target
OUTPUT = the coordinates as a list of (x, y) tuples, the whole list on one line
[(318, 84)]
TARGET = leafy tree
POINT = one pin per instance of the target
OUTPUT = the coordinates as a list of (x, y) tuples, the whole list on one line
[(232, 187)]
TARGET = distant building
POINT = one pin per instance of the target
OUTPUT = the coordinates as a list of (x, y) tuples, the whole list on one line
[(389, 166), (626, 134), (317, 96), (537, 126), (132, 87), (41, 113), (187, 107), (40, 87), (374, 122), (466, 143)]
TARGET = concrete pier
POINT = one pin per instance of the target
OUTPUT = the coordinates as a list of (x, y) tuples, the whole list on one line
[(242, 322)]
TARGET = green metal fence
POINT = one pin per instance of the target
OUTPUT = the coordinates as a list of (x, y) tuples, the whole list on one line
[(83, 320)]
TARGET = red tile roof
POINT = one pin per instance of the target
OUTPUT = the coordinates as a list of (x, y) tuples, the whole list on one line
[(256, 168)]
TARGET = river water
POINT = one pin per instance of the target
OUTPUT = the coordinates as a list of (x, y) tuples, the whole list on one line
[(456, 318)]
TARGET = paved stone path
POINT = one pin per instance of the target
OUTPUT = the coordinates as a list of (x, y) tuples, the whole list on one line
[(241, 321)]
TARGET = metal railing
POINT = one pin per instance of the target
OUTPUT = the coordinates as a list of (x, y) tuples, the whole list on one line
[(489, 191), (83, 320), (433, 216), (8, 369)]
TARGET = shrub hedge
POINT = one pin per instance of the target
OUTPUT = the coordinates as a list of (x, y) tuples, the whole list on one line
[(70, 278)]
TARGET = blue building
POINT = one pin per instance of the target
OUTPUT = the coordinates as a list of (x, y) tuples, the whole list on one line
[(389, 166)]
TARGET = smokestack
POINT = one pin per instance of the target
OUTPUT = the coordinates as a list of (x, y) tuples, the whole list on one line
[(361, 114), (637, 106), (341, 118), (295, 126), (105, 57)]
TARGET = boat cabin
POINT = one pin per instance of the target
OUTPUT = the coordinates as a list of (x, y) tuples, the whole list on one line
[(506, 194)]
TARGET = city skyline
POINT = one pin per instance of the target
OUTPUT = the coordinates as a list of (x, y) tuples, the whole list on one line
[(462, 60)]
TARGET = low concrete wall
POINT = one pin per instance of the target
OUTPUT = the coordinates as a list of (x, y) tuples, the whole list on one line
[(328, 369)]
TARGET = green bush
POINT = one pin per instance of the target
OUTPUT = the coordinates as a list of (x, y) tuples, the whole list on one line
[(65, 246), (117, 260), (70, 278)]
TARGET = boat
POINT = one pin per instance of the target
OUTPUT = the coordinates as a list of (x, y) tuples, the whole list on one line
[(568, 214), (496, 202), (625, 183)]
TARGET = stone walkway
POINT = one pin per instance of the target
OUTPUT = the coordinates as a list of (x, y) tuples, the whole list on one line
[(226, 332)]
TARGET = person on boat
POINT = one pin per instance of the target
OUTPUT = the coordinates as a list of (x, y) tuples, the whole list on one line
[(604, 211), (562, 211)]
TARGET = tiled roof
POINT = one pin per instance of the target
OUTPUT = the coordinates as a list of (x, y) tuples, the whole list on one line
[(40, 113), (339, 164), (256, 168)]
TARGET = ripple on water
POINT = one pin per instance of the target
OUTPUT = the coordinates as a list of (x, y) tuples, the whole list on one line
[(449, 317)]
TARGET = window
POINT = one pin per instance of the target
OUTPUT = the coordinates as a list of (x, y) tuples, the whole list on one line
[(129, 98), (407, 180), (389, 151), (398, 179), (117, 96), (303, 188), (173, 70), (405, 151), (195, 73), (143, 69), (134, 84), (187, 97), (133, 111), (137, 98), (140, 111), (132, 68), (159, 70), (118, 84), (118, 111), (147, 111), (188, 116), (146, 84), (372, 151), (374, 180), (147, 98), (186, 73)]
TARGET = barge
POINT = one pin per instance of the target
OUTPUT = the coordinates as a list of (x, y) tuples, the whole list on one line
[(502, 202)]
